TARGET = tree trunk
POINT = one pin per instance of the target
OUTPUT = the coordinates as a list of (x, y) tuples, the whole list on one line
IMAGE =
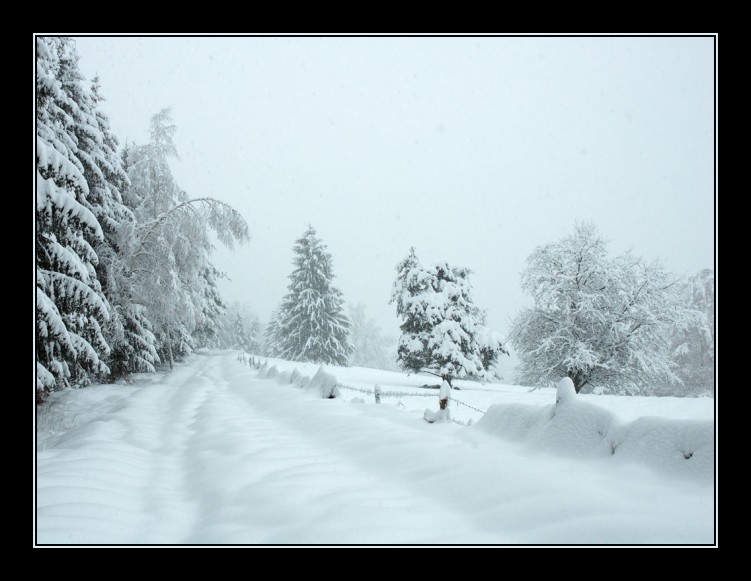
[(579, 378), (169, 348)]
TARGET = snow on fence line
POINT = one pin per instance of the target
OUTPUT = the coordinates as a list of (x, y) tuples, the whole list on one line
[(569, 426), (330, 390)]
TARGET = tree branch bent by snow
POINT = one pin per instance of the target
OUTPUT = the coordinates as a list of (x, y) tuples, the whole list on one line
[(223, 219)]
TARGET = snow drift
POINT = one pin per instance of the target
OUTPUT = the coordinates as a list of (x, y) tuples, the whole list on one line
[(573, 427)]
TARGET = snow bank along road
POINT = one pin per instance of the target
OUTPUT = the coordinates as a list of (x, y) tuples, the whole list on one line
[(212, 454)]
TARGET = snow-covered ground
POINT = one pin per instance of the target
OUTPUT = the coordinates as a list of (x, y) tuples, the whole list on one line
[(215, 452)]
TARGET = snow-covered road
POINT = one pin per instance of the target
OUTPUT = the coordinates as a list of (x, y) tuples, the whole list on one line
[(211, 454)]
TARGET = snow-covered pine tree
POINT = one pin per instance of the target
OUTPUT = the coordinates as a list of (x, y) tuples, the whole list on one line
[(312, 323), (71, 307), (128, 330), (240, 329), (240, 333), (255, 336), (601, 322), (271, 343), (370, 347), (442, 329), (211, 309), (411, 281)]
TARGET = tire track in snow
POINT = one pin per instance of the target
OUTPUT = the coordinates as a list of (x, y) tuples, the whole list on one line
[(500, 489), (119, 478), (263, 483), (211, 454)]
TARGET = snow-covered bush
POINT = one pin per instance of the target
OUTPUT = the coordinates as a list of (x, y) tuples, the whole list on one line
[(326, 383), (439, 416), (574, 427)]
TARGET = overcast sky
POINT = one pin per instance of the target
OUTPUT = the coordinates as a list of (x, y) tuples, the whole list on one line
[(473, 150)]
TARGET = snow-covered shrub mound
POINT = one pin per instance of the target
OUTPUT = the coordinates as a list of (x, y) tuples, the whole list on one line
[(671, 446), (437, 417), (272, 372), (565, 390), (263, 371), (303, 381), (295, 376), (325, 382), (578, 428)]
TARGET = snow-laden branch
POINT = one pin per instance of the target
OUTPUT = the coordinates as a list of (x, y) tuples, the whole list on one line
[(227, 223)]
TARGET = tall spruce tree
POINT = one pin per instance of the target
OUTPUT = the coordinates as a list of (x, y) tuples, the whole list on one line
[(71, 308), (312, 325)]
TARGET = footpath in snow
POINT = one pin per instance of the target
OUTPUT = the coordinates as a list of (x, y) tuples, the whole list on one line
[(213, 453)]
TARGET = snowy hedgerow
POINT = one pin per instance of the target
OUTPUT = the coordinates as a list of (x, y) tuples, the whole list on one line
[(311, 324), (603, 322), (442, 329)]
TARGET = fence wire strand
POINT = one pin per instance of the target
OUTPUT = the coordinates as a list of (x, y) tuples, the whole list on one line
[(251, 361)]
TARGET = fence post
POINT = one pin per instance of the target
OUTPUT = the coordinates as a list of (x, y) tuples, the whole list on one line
[(443, 394), (377, 392)]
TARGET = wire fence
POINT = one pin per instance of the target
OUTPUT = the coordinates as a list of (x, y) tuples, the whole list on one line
[(406, 394), (373, 392)]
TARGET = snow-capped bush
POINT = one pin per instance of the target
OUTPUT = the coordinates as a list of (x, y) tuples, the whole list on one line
[(574, 427), (565, 390), (432, 417), (326, 383)]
